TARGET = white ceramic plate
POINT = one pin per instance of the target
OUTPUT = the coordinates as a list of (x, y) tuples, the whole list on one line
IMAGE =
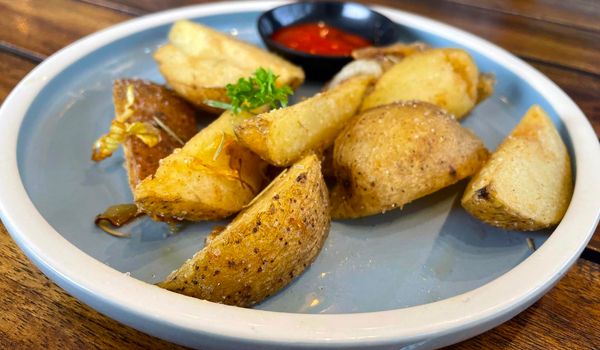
[(427, 276)]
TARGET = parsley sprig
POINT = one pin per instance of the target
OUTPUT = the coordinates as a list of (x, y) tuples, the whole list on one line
[(254, 92)]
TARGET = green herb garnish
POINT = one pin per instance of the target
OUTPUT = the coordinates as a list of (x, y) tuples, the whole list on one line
[(256, 91)]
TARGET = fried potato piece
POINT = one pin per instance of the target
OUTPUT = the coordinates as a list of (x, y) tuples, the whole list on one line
[(152, 101), (266, 246), (447, 78), (391, 155), (284, 135), (198, 62), (375, 60), (211, 177), (398, 50), (368, 67), (527, 183)]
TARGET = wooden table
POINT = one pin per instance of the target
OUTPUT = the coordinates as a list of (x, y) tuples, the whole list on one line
[(560, 38)]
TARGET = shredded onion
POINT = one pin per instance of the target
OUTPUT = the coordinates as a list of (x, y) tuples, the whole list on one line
[(117, 215)]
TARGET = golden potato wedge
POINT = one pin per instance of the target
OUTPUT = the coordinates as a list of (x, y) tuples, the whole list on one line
[(198, 62), (527, 183), (266, 246), (391, 155), (152, 101), (447, 78), (284, 135), (211, 177)]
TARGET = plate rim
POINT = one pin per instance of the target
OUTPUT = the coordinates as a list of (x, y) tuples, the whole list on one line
[(474, 311)]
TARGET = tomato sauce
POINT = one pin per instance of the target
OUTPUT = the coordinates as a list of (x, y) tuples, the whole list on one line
[(320, 39)]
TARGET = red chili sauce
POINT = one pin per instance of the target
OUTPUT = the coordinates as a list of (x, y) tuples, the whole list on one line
[(320, 39)]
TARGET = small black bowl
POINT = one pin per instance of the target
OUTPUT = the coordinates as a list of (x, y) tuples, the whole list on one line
[(348, 16)]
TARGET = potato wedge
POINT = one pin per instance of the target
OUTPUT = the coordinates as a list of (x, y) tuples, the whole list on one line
[(284, 135), (198, 62), (391, 155), (527, 184), (447, 78), (152, 101), (266, 246), (211, 177)]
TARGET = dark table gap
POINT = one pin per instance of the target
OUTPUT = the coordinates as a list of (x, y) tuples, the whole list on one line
[(29, 55), (125, 9), (592, 255)]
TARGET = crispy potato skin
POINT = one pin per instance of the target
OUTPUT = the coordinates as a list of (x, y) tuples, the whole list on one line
[(391, 155), (284, 135), (211, 177), (527, 184), (266, 246), (397, 50), (152, 101), (198, 62), (447, 78)]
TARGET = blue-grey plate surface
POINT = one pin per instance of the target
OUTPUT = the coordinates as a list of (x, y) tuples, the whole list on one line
[(430, 250)]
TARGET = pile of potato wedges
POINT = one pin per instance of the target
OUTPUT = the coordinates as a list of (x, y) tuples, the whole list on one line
[(385, 132)]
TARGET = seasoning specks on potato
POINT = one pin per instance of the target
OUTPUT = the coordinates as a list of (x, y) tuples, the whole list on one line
[(266, 246), (527, 183), (391, 155), (284, 135)]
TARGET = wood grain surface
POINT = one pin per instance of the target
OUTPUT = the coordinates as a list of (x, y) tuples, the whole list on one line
[(45, 26), (13, 69), (582, 14), (559, 38)]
